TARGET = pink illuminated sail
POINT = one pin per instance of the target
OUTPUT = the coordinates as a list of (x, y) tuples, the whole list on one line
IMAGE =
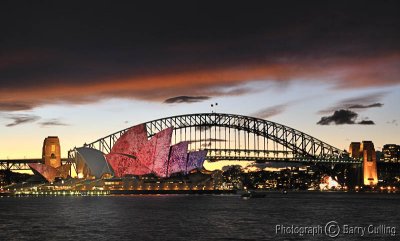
[(152, 156), (146, 155), (131, 141), (136, 168), (178, 157), (163, 142), (120, 163)]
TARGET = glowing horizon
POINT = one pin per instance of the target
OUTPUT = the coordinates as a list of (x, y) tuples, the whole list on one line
[(334, 75)]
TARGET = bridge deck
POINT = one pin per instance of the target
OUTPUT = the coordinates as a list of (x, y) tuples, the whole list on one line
[(21, 164)]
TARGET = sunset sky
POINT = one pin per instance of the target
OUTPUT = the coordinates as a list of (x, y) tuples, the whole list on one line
[(82, 70)]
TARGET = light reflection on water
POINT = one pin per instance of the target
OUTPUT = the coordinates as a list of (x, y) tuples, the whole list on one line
[(191, 217)]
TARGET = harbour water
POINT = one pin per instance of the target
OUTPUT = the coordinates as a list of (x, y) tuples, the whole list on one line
[(201, 217)]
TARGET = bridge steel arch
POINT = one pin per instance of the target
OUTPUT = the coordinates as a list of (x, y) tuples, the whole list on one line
[(295, 145)]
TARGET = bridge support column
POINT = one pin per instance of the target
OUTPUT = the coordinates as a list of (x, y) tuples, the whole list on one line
[(366, 152), (370, 171), (51, 153)]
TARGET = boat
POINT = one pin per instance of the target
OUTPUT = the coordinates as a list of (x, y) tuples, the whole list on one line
[(253, 194), (5, 194)]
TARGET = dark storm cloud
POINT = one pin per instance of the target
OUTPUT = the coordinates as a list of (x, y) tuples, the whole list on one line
[(339, 117), (366, 122), (52, 122), (79, 52), (21, 119), (186, 99)]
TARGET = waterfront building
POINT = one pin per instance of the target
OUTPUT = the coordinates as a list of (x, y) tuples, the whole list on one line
[(91, 162), (134, 154), (391, 153)]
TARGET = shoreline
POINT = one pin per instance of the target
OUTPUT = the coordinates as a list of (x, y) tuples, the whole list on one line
[(169, 192)]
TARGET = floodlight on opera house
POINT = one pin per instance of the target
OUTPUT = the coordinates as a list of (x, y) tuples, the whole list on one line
[(134, 154)]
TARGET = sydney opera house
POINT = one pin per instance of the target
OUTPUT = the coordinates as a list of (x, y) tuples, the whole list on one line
[(133, 155)]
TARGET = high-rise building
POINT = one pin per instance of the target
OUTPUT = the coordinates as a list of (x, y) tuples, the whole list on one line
[(391, 153), (51, 154)]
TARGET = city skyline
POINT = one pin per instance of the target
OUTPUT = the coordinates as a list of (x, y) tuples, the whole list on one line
[(83, 72)]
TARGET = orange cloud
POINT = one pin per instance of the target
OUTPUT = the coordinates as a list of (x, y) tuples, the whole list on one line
[(213, 81)]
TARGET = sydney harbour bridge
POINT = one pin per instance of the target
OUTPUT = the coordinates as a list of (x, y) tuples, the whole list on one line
[(230, 137), (226, 137)]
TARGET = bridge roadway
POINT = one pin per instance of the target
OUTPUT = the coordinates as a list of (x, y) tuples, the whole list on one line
[(269, 156), (214, 155), (21, 164)]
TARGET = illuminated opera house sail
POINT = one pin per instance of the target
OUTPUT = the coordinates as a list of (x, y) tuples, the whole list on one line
[(134, 154)]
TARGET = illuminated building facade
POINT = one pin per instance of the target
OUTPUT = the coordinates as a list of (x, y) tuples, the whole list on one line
[(149, 156), (366, 151), (391, 153), (195, 160), (134, 154), (178, 157)]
